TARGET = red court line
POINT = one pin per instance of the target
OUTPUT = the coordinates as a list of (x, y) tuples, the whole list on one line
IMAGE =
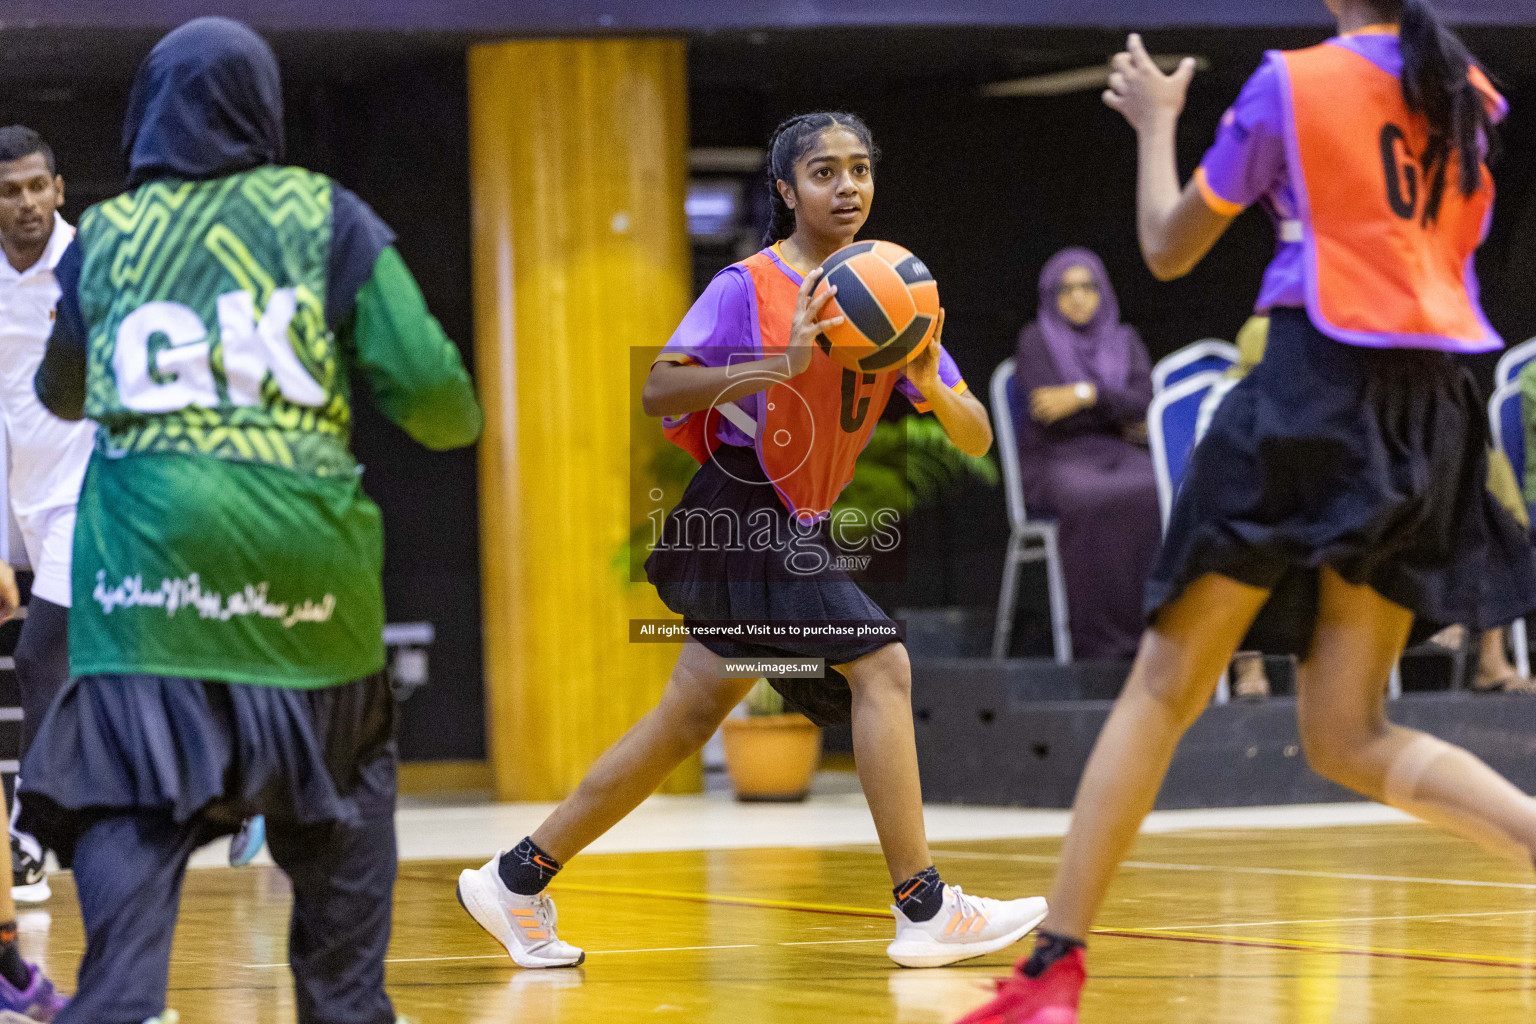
[(1436, 958), (1125, 933)]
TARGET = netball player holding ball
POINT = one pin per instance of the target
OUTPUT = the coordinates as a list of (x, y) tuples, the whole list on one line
[(777, 425), (1355, 453)]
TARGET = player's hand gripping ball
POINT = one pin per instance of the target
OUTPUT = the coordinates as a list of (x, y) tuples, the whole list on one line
[(889, 303)]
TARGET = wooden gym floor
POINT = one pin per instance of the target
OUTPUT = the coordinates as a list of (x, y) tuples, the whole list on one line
[(1388, 923)]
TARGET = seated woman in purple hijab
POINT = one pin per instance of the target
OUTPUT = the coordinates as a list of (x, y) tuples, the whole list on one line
[(1087, 383)]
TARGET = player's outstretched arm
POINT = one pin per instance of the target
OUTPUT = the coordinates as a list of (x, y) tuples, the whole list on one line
[(676, 389), (965, 421), (1177, 228), (964, 418), (418, 380)]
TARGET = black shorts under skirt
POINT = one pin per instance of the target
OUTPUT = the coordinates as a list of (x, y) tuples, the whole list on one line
[(710, 582), (216, 752), (1373, 462)]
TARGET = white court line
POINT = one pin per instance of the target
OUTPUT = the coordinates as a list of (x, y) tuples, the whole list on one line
[(1335, 920), (715, 822), (672, 949), (401, 960), (829, 942), (1032, 858), (602, 952)]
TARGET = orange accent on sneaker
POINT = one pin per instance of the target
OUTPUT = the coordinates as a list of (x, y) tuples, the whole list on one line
[(961, 924)]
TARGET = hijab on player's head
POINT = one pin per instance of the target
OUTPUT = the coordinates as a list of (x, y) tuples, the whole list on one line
[(206, 102)]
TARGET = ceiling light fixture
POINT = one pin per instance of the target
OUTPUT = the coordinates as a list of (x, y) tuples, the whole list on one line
[(1061, 83)]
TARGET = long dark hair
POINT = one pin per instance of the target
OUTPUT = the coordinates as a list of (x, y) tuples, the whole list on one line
[(788, 145), (1436, 65)]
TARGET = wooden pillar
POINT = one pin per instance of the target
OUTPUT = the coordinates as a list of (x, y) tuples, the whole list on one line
[(578, 168)]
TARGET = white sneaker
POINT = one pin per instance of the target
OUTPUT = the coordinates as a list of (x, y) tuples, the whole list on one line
[(29, 877), (964, 927), (525, 925)]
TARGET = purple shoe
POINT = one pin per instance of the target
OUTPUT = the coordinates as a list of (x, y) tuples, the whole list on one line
[(37, 1002)]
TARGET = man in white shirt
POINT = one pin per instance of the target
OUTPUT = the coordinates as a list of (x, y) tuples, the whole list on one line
[(46, 464), (47, 454)]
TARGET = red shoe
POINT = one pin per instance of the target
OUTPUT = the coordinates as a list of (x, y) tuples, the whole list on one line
[(1048, 999)]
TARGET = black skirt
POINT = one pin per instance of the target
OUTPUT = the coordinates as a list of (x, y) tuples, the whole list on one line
[(210, 751), (1373, 462), (706, 580)]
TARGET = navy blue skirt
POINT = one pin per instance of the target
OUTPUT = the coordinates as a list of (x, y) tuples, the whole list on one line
[(1373, 462), (705, 581), (210, 751)]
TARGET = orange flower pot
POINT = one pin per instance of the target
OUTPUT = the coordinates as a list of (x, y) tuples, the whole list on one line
[(772, 757)]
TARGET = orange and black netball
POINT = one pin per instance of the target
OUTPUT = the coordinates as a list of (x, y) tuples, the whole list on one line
[(889, 303)]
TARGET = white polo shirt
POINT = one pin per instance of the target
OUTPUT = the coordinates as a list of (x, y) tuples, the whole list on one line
[(47, 454)]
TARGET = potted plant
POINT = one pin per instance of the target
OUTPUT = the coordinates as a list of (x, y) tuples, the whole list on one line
[(771, 754)]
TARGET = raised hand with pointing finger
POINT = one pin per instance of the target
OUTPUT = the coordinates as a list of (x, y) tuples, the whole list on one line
[(1139, 89)]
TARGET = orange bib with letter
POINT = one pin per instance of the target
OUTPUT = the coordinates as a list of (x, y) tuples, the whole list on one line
[(808, 430), (1379, 272)]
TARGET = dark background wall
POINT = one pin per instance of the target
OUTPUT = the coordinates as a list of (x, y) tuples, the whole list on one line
[(987, 189), (984, 189), (390, 121), (543, 17)]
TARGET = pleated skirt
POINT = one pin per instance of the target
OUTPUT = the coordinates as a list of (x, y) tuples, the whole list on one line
[(705, 580), (216, 752), (1373, 462)]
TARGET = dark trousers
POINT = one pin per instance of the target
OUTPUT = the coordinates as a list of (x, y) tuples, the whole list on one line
[(42, 663), (42, 669), (129, 869)]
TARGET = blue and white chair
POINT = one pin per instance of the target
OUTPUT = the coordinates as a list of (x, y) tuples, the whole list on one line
[(1192, 360), (1030, 540), (1172, 430), (1508, 426), (1513, 361), (1172, 420)]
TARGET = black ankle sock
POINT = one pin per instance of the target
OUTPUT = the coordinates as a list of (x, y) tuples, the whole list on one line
[(526, 869), (921, 896), (12, 966), (1048, 949)]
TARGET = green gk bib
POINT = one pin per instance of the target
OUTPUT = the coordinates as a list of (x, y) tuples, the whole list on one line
[(222, 531)]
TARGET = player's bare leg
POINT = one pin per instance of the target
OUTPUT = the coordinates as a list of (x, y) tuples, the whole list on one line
[(1180, 661), (692, 707)]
